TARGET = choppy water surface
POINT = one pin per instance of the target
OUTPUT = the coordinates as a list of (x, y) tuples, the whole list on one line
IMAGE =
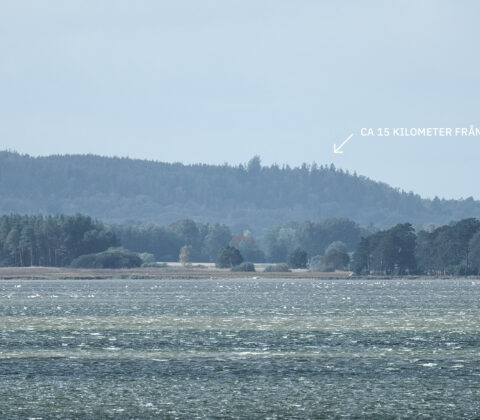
[(239, 349)]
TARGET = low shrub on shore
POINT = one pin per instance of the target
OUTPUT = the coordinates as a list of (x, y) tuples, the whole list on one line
[(111, 258), (277, 268), (245, 266)]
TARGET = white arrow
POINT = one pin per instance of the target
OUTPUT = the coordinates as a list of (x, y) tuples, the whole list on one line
[(337, 149)]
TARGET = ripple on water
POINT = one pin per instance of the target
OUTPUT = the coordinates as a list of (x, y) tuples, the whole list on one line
[(243, 349)]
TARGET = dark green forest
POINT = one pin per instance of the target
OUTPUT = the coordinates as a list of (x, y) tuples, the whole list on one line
[(278, 241), (452, 249), (80, 241), (244, 197), (37, 240), (51, 240)]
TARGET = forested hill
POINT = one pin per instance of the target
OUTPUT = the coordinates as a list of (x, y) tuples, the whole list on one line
[(250, 196)]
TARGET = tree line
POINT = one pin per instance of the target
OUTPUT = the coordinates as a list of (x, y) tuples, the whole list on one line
[(37, 240), (327, 245), (452, 249), (51, 240), (249, 196), (205, 240)]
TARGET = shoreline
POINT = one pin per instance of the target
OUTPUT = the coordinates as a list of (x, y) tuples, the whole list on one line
[(163, 273), (65, 273)]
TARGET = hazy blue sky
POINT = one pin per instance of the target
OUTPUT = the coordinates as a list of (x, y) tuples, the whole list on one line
[(221, 81)]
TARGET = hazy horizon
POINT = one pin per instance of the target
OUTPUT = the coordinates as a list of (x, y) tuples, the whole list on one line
[(217, 82)]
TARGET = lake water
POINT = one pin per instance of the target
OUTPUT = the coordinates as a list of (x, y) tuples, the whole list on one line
[(239, 349)]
